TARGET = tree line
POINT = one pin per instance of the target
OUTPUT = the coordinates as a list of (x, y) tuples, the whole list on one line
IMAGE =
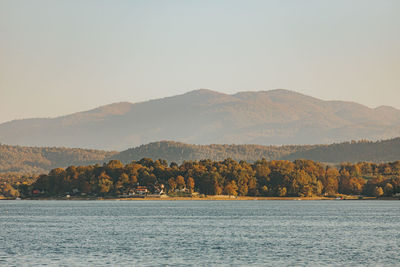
[(179, 152), (354, 151), (280, 178)]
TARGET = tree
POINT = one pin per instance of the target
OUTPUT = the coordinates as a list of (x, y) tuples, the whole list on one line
[(378, 191), (180, 182), (242, 188), (388, 189), (274, 178), (115, 164), (252, 185), (172, 184), (190, 184), (9, 191), (264, 190), (217, 189), (282, 191), (122, 182), (231, 189), (331, 182), (105, 184), (356, 185)]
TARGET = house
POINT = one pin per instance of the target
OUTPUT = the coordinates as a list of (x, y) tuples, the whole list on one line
[(35, 192), (141, 190)]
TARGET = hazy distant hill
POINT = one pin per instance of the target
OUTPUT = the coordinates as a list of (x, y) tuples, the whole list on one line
[(206, 117), (179, 152), (381, 151), (43, 159)]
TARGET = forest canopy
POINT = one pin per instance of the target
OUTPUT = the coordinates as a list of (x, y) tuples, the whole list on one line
[(300, 178)]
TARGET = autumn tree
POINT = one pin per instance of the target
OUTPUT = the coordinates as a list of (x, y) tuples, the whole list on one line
[(231, 189), (104, 183), (388, 189), (172, 184), (180, 182), (9, 191), (190, 184), (282, 191), (378, 192)]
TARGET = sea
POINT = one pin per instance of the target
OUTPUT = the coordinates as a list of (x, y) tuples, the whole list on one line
[(200, 233)]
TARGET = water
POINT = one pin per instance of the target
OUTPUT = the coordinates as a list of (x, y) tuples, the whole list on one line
[(135, 233)]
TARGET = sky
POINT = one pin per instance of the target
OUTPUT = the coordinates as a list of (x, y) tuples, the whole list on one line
[(61, 57)]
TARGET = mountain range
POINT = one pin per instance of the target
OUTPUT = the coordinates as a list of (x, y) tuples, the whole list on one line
[(204, 117)]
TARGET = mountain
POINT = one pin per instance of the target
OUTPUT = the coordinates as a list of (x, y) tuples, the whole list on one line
[(204, 116), (42, 159)]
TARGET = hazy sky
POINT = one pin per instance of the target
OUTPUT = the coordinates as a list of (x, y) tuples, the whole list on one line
[(59, 57)]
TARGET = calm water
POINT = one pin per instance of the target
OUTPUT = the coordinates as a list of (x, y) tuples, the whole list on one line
[(81, 233)]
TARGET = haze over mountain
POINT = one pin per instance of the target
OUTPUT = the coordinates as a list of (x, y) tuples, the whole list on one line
[(204, 116)]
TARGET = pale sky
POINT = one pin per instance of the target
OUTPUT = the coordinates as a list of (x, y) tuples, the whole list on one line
[(60, 57)]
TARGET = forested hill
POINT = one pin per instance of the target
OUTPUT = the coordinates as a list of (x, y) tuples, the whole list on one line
[(179, 152), (381, 151), (42, 159)]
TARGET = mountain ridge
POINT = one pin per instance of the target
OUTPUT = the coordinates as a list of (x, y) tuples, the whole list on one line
[(204, 116)]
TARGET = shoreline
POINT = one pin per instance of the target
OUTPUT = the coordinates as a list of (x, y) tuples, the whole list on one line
[(212, 198)]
